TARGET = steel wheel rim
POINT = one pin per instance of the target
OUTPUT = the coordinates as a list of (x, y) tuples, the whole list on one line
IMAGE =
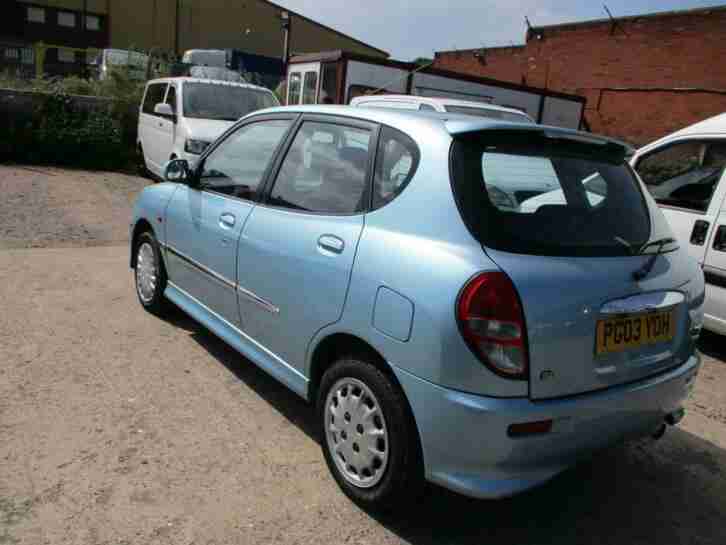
[(356, 433), (146, 277)]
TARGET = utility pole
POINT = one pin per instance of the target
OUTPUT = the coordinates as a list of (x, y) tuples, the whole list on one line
[(176, 28)]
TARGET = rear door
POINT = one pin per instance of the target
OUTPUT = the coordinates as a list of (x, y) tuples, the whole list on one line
[(686, 179), (568, 251), (297, 249), (152, 131)]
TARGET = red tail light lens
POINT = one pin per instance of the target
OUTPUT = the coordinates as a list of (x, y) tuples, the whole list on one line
[(492, 323)]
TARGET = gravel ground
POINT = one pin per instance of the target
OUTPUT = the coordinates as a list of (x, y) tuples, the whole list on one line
[(117, 427)]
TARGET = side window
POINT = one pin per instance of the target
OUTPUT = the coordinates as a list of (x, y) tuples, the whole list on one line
[(684, 174), (310, 87), (426, 108), (396, 162), (154, 95), (171, 98), (237, 166), (324, 170)]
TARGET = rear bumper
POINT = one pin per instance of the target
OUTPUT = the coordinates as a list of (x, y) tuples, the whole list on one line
[(466, 447)]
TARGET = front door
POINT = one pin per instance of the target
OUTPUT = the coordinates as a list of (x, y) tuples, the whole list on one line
[(303, 83), (686, 178), (153, 128), (204, 223), (297, 249)]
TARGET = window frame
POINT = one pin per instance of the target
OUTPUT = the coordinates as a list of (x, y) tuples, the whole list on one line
[(667, 145), (64, 12), (293, 117), (38, 10), (350, 122), (146, 94)]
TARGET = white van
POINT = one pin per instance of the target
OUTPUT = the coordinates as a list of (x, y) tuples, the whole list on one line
[(108, 59), (684, 173), (410, 102), (180, 117)]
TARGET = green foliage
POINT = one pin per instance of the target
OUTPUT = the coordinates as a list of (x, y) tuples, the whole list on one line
[(63, 132)]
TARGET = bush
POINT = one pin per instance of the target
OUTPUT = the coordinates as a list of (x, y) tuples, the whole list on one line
[(61, 131)]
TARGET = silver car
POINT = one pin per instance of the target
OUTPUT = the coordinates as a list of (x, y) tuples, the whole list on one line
[(359, 256)]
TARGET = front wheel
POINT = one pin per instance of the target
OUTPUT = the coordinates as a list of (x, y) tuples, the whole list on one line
[(150, 275), (368, 435)]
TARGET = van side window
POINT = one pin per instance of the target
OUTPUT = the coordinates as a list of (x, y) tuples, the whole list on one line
[(396, 163), (685, 174), (154, 95), (325, 170), (426, 108)]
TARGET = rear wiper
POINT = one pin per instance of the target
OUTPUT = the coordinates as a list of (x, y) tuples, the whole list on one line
[(644, 271)]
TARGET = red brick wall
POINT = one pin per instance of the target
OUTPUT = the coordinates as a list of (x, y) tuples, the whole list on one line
[(653, 53)]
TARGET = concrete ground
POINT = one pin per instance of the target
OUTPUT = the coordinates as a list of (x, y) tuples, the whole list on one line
[(117, 427)]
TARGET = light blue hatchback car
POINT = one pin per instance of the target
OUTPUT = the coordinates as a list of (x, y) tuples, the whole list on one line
[(469, 302)]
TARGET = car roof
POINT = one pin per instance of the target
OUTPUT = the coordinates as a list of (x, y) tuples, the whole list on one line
[(208, 81), (443, 101), (715, 125), (417, 122)]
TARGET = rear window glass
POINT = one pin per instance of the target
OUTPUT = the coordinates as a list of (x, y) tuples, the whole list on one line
[(544, 196), (488, 113)]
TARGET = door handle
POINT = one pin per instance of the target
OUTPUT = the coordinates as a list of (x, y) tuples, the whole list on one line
[(331, 243), (699, 233), (227, 220)]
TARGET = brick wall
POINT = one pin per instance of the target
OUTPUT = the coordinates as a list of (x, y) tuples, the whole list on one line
[(631, 75)]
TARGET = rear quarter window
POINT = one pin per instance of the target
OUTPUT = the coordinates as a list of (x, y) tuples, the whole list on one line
[(533, 195)]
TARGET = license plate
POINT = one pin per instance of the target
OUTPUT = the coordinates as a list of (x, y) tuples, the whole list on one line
[(627, 332)]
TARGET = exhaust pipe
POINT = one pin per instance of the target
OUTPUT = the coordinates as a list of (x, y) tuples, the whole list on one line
[(659, 432), (671, 419)]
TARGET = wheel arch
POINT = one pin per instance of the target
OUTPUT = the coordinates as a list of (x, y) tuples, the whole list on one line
[(142, 226), (337, 344)]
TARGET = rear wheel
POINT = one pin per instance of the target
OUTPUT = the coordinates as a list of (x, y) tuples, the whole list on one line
[(150, 275), (368, 435)]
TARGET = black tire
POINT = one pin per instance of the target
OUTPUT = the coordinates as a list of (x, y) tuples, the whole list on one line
[(402, 480), (154, 302)]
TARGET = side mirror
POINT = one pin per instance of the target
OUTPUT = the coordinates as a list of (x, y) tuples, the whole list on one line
[(178, 171), (163, 110)]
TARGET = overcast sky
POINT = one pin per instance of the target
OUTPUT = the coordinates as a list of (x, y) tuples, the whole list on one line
[(416, 28)]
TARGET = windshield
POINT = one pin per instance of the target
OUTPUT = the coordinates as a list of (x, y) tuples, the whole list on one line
[(490, 113), (224, 102), (534, 195)]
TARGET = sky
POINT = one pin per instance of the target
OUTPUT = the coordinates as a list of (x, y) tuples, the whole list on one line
[(416, 28)]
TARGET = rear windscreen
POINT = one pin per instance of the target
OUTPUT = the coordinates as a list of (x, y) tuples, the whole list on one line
[(530, 194)]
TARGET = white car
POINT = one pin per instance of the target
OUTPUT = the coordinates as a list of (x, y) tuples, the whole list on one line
[(684, 173), (466, 107), (180, 117)]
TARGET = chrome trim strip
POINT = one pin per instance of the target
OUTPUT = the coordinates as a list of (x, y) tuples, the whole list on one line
[(202, 268), (259, 301), (263, 303), (240, 332), (646, 302)]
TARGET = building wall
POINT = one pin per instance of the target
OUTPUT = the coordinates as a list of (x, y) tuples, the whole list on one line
[(631, 75), (251, 25)]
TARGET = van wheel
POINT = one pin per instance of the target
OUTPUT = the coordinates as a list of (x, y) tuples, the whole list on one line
[(368, 435), (150, 275)]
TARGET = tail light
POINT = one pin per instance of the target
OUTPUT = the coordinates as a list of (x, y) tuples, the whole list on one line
[(492, 323)]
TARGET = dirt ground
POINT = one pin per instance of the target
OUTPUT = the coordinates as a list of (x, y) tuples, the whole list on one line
[(119, 428)]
